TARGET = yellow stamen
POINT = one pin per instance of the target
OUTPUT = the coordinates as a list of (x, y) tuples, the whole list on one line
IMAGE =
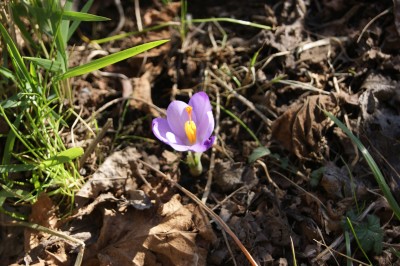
[(190, 126)]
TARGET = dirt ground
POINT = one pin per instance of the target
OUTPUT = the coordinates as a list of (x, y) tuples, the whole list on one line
[(294, 197)]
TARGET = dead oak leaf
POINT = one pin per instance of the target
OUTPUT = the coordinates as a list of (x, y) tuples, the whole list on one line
[(301, 128), (166, 236)]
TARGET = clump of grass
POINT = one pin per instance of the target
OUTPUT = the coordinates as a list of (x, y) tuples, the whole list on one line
[(36, 99)]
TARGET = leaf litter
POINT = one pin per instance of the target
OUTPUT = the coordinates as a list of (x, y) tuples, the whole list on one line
[(301, 186)]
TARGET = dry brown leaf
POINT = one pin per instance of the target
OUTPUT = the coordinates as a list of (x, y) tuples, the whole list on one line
[(40, 245), (301, 129), (142, 90), (337, 183), (44, 214), (111, 175), (228, 175), (167, 236)]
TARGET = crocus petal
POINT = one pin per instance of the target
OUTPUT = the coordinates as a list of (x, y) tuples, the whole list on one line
[(176, 117), (205, 127), (163, 132), (201, 105), (202, 147)]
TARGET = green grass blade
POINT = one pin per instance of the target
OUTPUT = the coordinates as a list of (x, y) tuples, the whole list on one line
[(348, 247), (240, 123), (124, 35), (47, 64), (63, 157), (5, 72), (254, 58), (75, 24), (371, 163), (110, 59), (79, 16), (13, 168), (20, 65)]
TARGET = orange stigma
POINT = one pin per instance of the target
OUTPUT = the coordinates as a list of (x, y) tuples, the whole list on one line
[(190, 126)]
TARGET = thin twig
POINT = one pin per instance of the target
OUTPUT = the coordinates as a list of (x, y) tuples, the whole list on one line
[(229, 247), (216, 218), (302, 189), (121, 18), (372, 21), (264, 166), (138, 17), (94, 142), (242, 99), (219, 204), (341, 254), (110, 103), (66, 237), (324, 256)]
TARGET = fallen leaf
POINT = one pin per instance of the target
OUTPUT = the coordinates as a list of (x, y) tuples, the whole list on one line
[(227, 175), (141, 90), (166, 236), (111, 175), (43, 213), (301, 128), (39, 244), (337, 183)]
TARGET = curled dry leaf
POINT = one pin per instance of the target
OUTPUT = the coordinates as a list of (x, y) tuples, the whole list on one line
[(166, 236), (301, 128)]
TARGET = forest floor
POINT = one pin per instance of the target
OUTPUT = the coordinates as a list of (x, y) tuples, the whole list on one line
[(282, 176)]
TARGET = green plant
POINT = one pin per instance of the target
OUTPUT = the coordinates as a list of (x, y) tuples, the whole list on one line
[(371, 163), (36, 98), (367, 233)]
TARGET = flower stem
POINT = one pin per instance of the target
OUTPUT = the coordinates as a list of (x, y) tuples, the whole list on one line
[(193, 160)]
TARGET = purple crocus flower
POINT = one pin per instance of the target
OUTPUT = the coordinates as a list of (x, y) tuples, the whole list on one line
[(188, 127)]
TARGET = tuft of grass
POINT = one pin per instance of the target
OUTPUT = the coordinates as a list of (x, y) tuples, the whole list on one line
[(36, 99)]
